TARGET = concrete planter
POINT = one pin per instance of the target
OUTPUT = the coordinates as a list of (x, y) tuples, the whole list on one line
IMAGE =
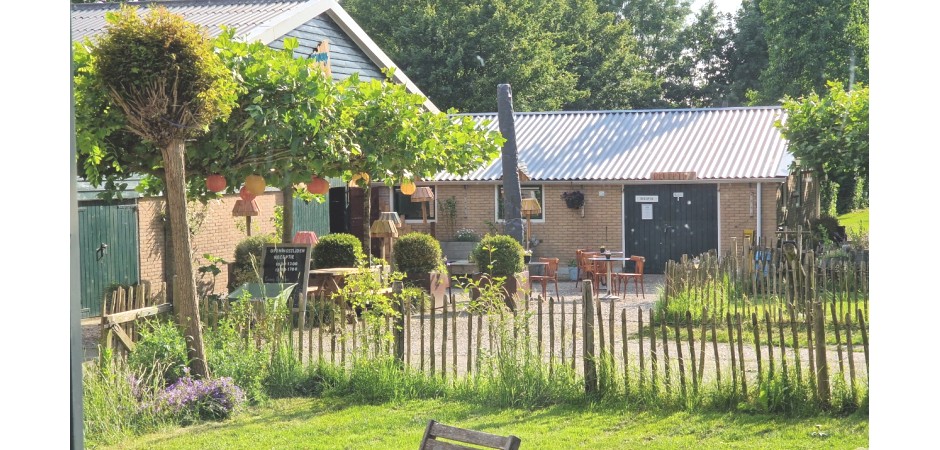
[(457, 250)]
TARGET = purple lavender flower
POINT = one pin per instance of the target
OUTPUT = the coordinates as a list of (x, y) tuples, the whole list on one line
[(201, 399)]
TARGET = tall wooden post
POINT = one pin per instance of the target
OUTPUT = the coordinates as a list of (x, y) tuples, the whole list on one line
[(512, 192), (590, 366)]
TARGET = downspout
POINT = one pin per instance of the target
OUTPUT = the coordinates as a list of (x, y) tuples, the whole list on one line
[(718, 199), (760, 207)]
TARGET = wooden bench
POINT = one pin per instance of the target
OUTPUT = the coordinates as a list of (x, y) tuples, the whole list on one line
[(436, 431)]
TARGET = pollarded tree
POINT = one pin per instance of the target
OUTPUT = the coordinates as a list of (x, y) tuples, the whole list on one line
[(829, 134), (392, 138), (163, 75)]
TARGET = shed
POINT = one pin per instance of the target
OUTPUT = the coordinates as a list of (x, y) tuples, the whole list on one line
[(657, 183)]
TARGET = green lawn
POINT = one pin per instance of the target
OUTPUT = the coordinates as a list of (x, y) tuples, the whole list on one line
[(305, 423), (855, 220)]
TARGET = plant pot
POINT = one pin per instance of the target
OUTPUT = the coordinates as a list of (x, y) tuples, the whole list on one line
[(573, 273), (434, 283), (511, 287)]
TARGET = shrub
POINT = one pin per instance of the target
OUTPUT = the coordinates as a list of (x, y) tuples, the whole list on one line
[(247, 263), (499, 255), (417, 253), (826, 229), (161, 345), (337, 250), (193, 400)]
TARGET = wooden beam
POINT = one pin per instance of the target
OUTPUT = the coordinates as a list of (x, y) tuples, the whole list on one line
[(129, 316)]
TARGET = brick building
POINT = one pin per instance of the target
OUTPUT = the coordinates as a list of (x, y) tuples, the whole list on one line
[(657, 183)]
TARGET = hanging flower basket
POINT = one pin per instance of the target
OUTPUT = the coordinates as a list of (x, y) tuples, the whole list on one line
[(573, 199)]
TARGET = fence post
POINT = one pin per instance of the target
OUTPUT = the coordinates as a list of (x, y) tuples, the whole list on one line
[(399, 329), (822, 369), (590, 368)]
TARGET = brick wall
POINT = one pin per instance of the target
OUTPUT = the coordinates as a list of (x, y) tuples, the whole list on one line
[(217, 233), (562, 231), (739, 212)]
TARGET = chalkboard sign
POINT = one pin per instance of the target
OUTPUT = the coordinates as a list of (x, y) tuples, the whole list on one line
[(287, 263)]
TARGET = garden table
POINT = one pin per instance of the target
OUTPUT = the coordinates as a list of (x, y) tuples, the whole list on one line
[(610, 260)]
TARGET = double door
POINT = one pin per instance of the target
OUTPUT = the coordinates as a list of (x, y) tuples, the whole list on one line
[(664, 221)]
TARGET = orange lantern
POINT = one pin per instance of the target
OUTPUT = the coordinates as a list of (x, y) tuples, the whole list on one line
[(215, 183), (245, 194), (359, 176), (255, 184), (408, 188), (318, 185)]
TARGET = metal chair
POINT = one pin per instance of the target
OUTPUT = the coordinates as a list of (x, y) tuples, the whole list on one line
[(551, 274), (636, 276)]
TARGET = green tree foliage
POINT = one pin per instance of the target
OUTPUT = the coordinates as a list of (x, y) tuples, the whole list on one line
[(810, 43), (829, 134), (556, 54), (685, 52), (748, 53)]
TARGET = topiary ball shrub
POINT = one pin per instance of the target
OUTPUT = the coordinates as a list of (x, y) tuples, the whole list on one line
[(247, 265), (502, 252), (337, 250), (417, 253)]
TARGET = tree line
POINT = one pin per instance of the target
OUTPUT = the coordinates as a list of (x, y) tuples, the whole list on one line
[(616, 54)]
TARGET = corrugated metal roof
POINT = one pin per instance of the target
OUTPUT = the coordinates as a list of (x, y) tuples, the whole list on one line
[(243, 15), (715, 143)]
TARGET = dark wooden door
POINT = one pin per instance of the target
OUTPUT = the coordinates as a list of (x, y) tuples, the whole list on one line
[(663, 222)]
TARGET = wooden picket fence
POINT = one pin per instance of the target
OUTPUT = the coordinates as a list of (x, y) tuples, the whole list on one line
[(123, 306), (748, 321)]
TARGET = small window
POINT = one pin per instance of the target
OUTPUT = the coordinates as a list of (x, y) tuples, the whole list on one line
[(410, 210), (527, 191)]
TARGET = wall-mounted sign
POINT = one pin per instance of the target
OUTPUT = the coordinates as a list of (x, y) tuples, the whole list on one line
[(672, 176), (647, 198), (678, 194), (322, 57), (646, 211)]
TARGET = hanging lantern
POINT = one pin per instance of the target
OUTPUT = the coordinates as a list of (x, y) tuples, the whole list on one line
[(318, 185), (359, 176), (215, 183), (408, 188), (255, 184), (245, 194)]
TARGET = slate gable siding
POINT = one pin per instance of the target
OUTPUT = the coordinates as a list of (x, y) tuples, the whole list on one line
[(345, 56)]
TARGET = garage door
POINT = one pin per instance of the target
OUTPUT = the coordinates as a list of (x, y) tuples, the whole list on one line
[(663, 222)]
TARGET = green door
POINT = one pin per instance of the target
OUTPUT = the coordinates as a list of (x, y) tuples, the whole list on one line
[(312, 216), (108, 250)]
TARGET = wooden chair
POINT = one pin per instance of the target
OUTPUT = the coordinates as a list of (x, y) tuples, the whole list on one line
[(551, 274), (599, 271), (437, 431), (636, 276), (579, 260), (585, 266)]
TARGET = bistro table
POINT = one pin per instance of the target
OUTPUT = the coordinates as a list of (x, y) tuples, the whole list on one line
[(537, 267), (610, 259)]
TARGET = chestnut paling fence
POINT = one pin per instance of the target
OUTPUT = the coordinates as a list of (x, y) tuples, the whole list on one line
[(758, 315)]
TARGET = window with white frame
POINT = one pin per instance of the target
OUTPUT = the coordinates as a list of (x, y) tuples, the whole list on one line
[(534, 190), (411, 211)]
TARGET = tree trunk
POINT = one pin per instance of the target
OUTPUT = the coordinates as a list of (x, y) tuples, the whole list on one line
[(367, 217), (288, 217), (184, 301)]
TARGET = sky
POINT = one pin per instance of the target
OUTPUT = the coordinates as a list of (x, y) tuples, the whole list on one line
[(726, 6)]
